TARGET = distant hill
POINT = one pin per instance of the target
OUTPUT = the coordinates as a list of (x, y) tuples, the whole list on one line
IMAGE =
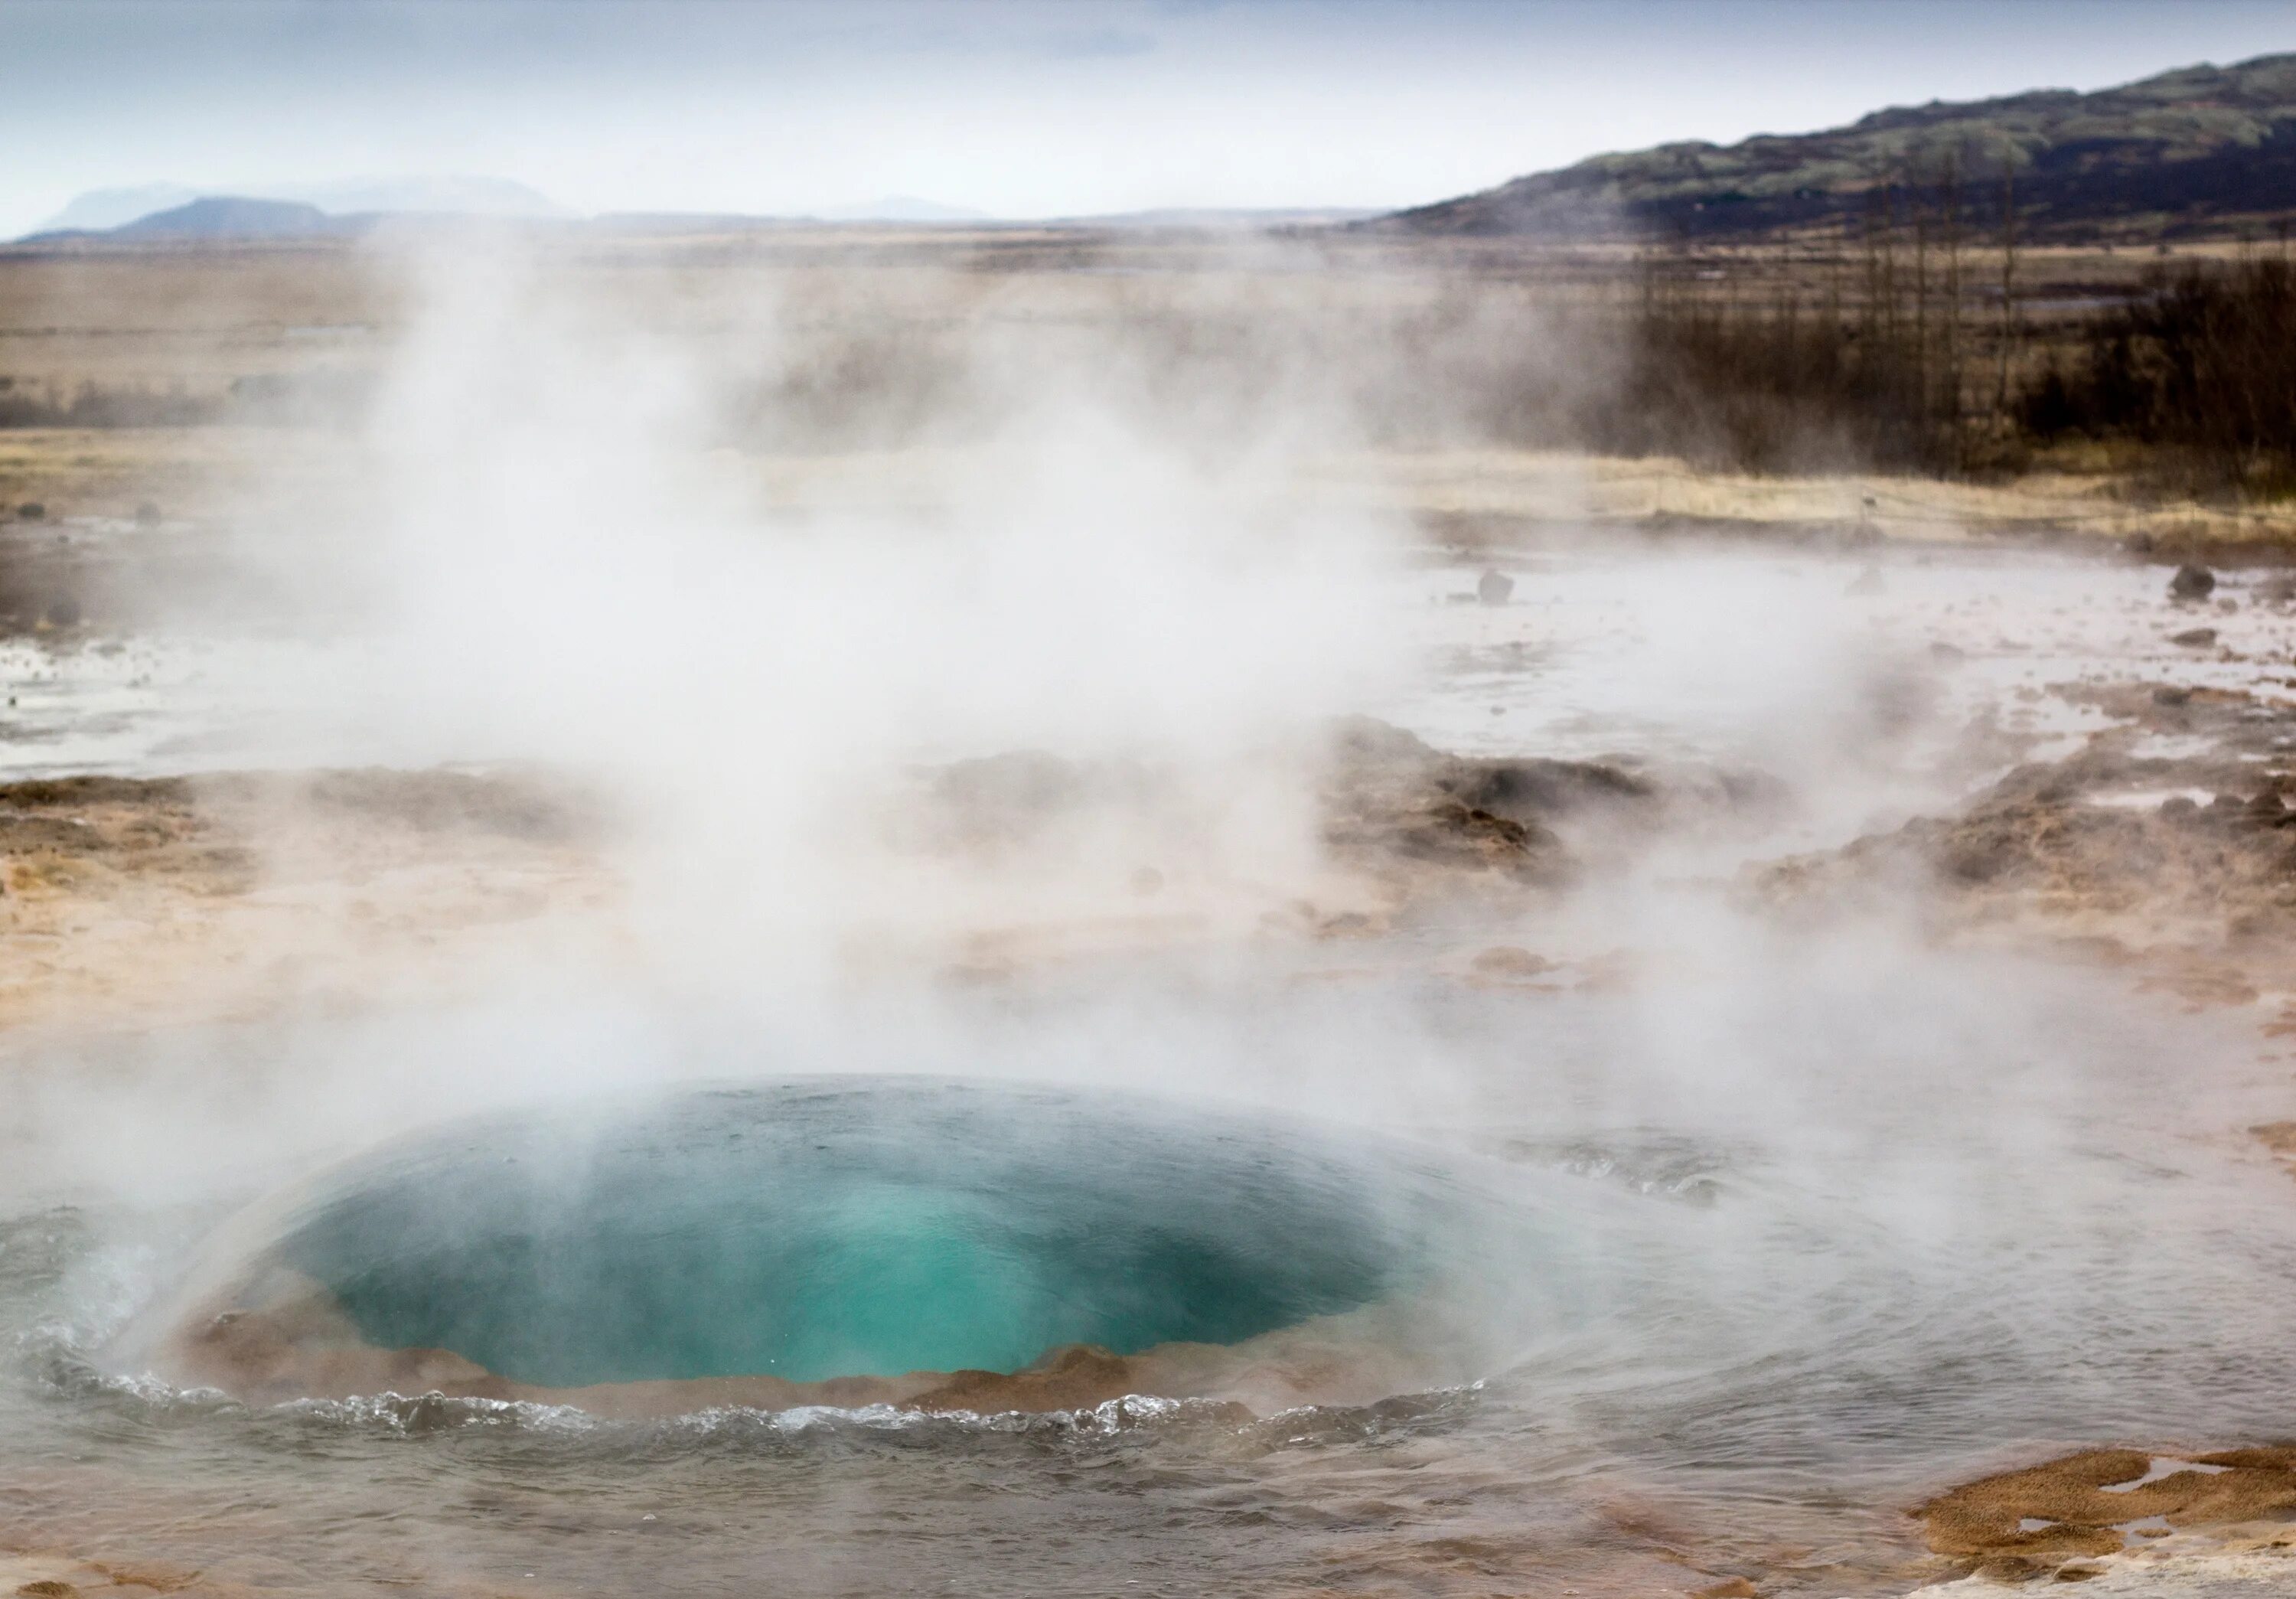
[(2201, 150), (231, 216), (102, 209), (170, 210)]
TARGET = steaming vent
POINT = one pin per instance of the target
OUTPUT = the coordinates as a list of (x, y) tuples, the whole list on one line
[(870, 1240)]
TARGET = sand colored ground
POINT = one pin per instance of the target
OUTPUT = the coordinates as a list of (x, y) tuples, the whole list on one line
[(112, 471), (131, 904), (2098, 1502), (1498, 495)]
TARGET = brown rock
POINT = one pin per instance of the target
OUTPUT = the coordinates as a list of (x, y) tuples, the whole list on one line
[(2278, 1137), (1986, 1520), (1508, 960), (1068, 1379), (2192, 582)]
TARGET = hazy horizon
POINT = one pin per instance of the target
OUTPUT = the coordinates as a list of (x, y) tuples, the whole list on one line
[(1016, 109)]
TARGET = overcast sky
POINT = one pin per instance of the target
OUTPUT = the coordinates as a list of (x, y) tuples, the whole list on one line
[(1017, 110)]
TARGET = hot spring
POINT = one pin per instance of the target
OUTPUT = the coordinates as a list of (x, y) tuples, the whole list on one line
[(1676, 1270), (741, 1332), (857, 1239)]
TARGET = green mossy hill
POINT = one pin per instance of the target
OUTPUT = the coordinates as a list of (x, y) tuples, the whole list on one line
[(2200, 152)]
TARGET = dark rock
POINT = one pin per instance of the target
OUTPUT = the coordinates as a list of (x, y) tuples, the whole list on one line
[(2195, 638), (1510, 960), (32, 510), (1494, 588), (1388, 794), (2192, 582)]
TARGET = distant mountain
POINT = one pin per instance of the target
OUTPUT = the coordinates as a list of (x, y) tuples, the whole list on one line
[(125, 213), (102, 209), (232, 216), (2200, 149)]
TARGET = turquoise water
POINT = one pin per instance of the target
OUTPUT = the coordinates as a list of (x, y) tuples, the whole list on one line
[(1773, 1333), (855, 1227)]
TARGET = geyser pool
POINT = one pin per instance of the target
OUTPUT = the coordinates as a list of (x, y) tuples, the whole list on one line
[(837, 1229)]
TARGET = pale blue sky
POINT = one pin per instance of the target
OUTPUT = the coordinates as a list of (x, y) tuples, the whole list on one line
[(1023, 108)]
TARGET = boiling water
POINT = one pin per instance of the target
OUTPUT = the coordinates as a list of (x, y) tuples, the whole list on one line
[(872, 1227)]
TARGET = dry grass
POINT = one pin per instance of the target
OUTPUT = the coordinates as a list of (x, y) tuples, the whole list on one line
[(1751, 387), (104, 472)]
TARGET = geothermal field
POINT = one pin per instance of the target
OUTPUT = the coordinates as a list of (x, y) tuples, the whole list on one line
[(896, 907), (1050, 993)]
